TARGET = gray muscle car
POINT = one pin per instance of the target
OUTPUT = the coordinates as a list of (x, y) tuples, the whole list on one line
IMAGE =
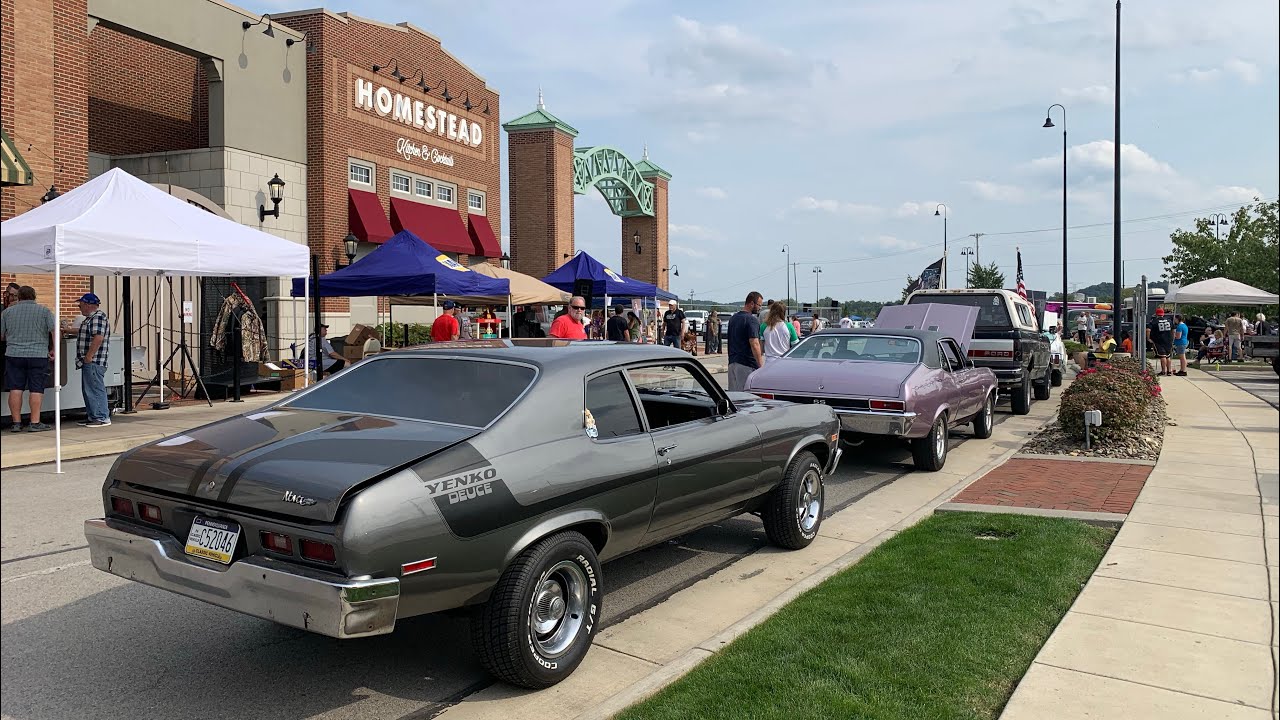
[(497, 477)]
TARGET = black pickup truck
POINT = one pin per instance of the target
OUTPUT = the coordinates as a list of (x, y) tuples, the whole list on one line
[(1006, 339)]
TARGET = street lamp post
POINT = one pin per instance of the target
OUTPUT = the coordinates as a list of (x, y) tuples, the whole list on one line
[(817, 270), (786, 270), (1219, 221), (1116, 267), (967, 253), (1048, 122), (943, 210)]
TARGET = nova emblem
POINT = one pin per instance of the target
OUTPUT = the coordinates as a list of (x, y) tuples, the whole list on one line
[(292, 497)]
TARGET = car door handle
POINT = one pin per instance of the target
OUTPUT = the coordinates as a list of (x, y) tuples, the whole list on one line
[(667, 449)]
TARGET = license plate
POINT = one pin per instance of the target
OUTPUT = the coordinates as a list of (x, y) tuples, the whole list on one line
[(213, 539)]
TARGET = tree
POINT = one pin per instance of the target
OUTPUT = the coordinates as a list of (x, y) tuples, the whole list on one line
[(1250, 252), (985, 276), (911, 284)]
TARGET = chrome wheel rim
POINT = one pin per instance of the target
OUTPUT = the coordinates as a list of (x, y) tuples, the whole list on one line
[(986, 411), (558, 608), (939, 440), (809, 508)]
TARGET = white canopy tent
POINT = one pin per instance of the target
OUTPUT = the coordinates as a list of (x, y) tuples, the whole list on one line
[(1221, 291), (117, 224)]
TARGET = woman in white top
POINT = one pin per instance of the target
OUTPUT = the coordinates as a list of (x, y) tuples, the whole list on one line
[(776, 337)]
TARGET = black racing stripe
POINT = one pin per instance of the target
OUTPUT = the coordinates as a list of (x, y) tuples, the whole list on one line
[(499, 508)]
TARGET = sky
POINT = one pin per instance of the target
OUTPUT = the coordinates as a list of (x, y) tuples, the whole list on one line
[(837, 128)]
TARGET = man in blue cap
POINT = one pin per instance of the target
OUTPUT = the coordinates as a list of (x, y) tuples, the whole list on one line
[(91, 357)]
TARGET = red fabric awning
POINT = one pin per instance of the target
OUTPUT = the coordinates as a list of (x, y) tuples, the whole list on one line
[(365, 218), (482, 236), (440, 227)]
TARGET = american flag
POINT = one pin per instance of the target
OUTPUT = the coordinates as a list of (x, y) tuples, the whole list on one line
[(1022, 287)]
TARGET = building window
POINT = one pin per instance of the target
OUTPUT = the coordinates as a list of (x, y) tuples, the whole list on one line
[(422, 188), (444, 193), (400, 183), (475, 201), (359, 173)]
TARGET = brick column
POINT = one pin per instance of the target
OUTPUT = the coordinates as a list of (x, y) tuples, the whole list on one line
[(653, 256), (540, 191)]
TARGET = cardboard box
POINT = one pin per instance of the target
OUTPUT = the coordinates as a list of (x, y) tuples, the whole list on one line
[(290, 378), (359, 334), (353, 353)]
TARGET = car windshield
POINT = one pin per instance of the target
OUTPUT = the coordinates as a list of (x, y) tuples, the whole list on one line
[(992, 311), (468, 392), (882, 348)]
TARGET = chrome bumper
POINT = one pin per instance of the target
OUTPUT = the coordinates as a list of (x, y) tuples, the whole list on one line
[(1009, 377), (269, 589), (871, 422), (833, 462)]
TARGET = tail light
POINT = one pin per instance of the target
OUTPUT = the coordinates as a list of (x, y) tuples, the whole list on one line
[(276, 542), (122, 506), (150, 513), (887, 405), (318, 551), (766, 396)]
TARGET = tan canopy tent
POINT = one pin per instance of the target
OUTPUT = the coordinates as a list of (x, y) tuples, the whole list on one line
[(525, 290)]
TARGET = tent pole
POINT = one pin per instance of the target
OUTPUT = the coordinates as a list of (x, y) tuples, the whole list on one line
[(57, 370), (315, 273), (126, 300), (306, 346), (160, 404), (510, 321)]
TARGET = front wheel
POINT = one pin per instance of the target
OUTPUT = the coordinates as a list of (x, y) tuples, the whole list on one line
[(539, 621), (930, 451), (793, 511), (985, 420)]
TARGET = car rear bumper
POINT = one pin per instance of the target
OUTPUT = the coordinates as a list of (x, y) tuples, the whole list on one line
[(291, 595), (871, 422), (1009, 377)]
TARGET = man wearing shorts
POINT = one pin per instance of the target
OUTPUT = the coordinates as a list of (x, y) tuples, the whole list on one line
[(1180, 342), (1160, 333), (30, 332)]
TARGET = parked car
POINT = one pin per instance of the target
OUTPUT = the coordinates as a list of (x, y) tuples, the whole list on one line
[(908, 378), (431, 479), (1057, 350), (697, 320), (1005, 339)]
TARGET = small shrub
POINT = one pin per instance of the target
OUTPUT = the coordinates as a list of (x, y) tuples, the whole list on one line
[(1121, 389), (419, 334), (1071, 347)]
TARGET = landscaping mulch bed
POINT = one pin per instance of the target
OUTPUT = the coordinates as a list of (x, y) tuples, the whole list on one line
[(1144, 444)]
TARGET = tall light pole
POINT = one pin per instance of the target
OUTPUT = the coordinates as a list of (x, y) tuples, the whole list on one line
[(1048, 122), (817, 270), (942, 210), (1219, 221), (786, 270), (967, 253), (1116, 267)]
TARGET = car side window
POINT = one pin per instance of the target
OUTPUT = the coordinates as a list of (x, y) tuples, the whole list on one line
[(672, 395), (952, 355), (1024, 316), (611, 406)]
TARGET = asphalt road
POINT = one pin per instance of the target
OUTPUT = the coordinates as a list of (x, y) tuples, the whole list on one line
[(1262, 382), (80, 643)]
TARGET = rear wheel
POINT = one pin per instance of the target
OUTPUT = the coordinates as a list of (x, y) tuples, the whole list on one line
[(1055, 377), (930, 451), (1042, 388), (793, 512), (1020, 400), (985, 419), (539, 621)]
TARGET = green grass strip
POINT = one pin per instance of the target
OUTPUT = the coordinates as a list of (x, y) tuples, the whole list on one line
[(935, 623)]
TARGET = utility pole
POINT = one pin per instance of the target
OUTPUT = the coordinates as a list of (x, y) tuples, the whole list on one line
[(1116, 267), (977, 249)]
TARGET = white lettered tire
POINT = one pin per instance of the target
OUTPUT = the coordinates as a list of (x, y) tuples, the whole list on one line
[(543, 613)]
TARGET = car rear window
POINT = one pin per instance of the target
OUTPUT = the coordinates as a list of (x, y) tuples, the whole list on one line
[(992, 310), (462, 392), (881, 348)]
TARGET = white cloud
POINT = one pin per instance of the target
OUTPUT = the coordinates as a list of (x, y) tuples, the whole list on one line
[(1091, 95), (837, 207), (687, 251), (996, 192), (912, 209), (1243, 69), (713, 193), (693, 232), (889, 242)]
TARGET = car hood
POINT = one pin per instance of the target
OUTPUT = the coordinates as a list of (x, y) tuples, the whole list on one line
[(300, 463), (859, 378), (953, 321)]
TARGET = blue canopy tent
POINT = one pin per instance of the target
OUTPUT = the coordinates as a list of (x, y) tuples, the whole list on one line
[(407, 265), (604, 282)]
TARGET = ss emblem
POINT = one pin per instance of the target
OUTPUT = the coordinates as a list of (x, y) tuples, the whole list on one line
[(819, 401)]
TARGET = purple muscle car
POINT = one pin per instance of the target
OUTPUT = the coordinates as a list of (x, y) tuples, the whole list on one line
[(909, 377)]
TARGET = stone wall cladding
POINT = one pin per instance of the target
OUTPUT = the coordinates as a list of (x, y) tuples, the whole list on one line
[(43, 106), (343, 45), (145, 97)]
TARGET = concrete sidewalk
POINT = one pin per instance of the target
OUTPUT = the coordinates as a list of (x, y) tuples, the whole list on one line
[(1180, 618)]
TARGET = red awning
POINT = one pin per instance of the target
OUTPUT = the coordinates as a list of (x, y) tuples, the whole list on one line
[(440, 227), (365, 218), (482, 236)]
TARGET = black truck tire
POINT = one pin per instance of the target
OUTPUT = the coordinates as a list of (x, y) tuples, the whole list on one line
[(1042, 388), (1020, 400)]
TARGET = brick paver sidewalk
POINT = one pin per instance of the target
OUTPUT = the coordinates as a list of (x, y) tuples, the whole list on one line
[(1059, 485)]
